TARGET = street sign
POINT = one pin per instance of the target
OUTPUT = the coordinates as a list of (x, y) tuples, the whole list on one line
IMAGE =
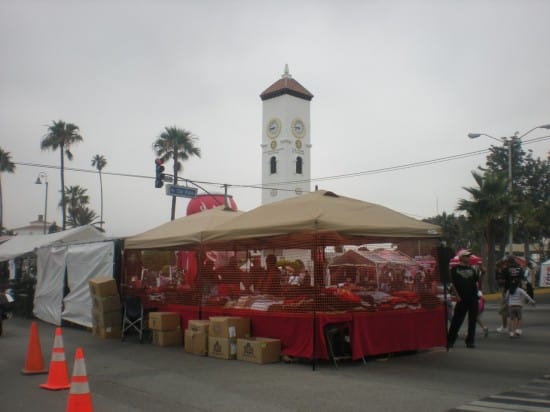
[(181, 191)]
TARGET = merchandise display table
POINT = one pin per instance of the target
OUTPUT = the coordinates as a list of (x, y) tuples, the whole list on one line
[(371, 333), (397, 331)]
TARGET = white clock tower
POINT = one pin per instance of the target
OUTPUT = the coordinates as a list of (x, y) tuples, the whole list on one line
[(286, 147)]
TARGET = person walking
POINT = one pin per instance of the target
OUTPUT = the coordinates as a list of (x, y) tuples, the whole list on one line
[(464, 279), (515, 296), (512, 273)]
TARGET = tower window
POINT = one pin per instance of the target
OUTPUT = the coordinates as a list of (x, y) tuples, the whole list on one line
[(299, 163), (273, 165)]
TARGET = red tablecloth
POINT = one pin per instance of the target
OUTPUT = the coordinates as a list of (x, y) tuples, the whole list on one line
[(371, 333), (396, 331)]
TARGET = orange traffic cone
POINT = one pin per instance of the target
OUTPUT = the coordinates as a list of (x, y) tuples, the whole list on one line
[(80, 399), (34, 364), (58, 377)]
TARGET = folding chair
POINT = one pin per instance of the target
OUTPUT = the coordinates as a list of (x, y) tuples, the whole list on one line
[(133, 318), (338, 346)]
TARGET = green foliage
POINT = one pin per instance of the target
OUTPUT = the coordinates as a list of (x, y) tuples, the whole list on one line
[(61, 136), (77, 202), (6, 165), (99, 162), (176, 144)]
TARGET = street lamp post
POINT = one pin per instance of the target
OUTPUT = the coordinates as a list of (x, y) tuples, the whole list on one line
[(507, 142), (44, 176)]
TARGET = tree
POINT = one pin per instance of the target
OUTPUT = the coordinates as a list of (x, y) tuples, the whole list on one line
[(456, 230), (176, 144), (533, 217), (77, 202), (6, 165), (487, 211), (61, 136), (100, 162), (53, 228), (528, 203), (83, 216)]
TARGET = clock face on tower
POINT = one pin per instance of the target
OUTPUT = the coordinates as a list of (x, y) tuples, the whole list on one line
[(298, 128), (273, 128)]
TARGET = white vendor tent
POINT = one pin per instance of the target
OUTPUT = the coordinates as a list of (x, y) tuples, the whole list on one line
[(81, 262), (76, 255), (23, 244), (545, 274)]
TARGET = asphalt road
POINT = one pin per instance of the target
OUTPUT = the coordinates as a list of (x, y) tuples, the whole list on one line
[(500, 374)]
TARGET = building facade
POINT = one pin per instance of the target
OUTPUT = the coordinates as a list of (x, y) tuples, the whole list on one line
[(35, 227)]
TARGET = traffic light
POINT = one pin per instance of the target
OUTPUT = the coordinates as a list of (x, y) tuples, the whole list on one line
[(159, 175)]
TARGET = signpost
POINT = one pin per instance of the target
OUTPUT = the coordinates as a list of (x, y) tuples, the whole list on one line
[(181, 191)]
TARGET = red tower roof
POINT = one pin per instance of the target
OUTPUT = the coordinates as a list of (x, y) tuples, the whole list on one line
[(286, 85)]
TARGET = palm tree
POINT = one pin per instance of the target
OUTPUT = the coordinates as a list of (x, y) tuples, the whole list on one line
[(76, 200), (6, 165), (61, 136), (176, 144), (100, 162), (487, 212), (83, 216)]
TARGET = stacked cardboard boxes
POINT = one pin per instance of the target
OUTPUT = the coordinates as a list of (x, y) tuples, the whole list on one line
[(166, 327), (196, 337), (106, 308), (223, 332)]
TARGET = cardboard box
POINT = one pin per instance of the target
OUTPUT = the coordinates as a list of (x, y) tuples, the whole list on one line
[(196, 342), (106, 303), (164, 321), (259, 350), (103, 286), (222, 348), (110, 332), (106, 319), (198, 325), (167, 337), (229, 327)]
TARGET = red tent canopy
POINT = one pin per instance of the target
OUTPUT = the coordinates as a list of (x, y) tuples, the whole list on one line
[(474, 260), (519, 260)]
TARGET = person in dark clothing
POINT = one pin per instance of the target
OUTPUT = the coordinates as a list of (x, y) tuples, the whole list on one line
[(464, 279)]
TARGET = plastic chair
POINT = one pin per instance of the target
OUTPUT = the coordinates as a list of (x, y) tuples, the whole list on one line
[(133, 318)]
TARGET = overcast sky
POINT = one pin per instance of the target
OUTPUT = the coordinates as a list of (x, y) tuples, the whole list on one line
[(395, 82)]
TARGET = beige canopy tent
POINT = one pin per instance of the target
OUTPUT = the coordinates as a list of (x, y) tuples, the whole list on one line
[(185, 231), (320, 216)]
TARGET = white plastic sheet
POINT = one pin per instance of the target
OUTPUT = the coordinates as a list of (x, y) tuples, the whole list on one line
[(48, 295), (85, 262), (82, 262)]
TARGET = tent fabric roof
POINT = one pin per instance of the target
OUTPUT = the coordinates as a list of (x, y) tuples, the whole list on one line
[(319, 214), (364, 257), (180, 232), (23, 244)]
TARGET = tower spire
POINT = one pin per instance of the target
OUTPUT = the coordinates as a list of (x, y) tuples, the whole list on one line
[(286, 74)]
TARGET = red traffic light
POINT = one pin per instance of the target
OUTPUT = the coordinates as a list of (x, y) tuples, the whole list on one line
[(159, 161)]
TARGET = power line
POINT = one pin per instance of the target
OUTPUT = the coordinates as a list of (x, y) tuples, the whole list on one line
[(318, 179)]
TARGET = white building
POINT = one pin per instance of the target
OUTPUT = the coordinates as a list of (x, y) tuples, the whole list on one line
[(286, 139), (34, 228)]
